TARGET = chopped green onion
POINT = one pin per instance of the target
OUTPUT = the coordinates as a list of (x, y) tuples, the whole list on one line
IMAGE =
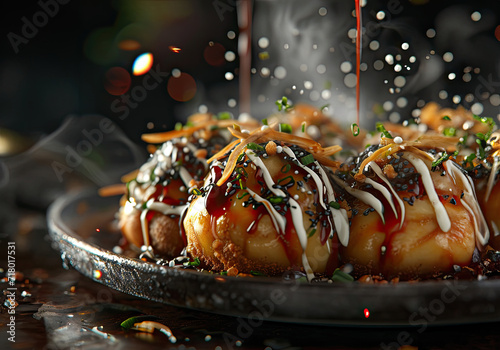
[(334, 205), (355, 129), (482, 153), (255, 147), (311, 233), (241, 171), (441, 159), (195, 262), (306, 160), (446, 118), (286, 168), (451, 131), (469, 159), (381, 128), (285, 128), (129, 322), (340, 276), (290, 178), (240, 157), (303, 126), (224, 116), (257, 273), (264, 121), (243, 187), (242, 195), (178, 126), (276, 200), (324, 106), (283, 104), (196, 192)]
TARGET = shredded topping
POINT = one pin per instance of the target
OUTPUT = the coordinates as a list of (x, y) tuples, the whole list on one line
[(319, 153)]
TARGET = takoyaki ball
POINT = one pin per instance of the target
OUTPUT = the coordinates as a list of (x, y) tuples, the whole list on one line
[(486, 176), (410, 219), (267, 207), (156, 198), (447, 121)]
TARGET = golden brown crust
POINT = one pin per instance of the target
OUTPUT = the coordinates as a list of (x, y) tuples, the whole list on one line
[(217, 251)]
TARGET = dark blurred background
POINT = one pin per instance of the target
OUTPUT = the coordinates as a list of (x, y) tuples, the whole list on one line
[(76, 57)]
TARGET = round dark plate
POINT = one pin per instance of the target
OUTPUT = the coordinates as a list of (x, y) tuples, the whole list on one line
[(82, 228)]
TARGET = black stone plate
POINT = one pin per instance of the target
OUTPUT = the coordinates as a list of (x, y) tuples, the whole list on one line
[(82, 228)]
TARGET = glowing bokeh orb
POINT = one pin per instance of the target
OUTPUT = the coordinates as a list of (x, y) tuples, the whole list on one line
[(142, 63), (214, 54), (182, 87), (117, 81)]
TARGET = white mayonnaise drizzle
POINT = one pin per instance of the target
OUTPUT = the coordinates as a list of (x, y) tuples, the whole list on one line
[(278, 220), (442, 216), (491, 178), (340, 218), (339, 215), (470, 203), (294, 206), (381, 175), (363, 196), (163, 158)]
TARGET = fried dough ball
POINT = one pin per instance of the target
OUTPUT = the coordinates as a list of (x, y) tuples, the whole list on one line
[(410, 219), (155, 199), (272, 213), (486, 175)]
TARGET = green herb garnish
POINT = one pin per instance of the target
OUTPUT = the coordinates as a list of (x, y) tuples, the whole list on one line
[(264, 121), (283, 104), (334, 205), (224, 116), (242, 187), (242, 195), (283, 127), (178, 126), (129, 322), (196, 192), (381, 128), (276, 200), (311, 233), (355, 129), (195, 262), (286, 168), (438, 162), (446, 118), (255, 147), (340, 276), (450, 132), (257, 273), (306, 160)]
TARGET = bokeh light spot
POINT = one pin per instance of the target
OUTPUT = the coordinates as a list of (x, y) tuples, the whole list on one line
[(142, 63), (366, 313), (497, 32), (181, 88), (476, 16), (117, 81), (129, 45), (214, 54)]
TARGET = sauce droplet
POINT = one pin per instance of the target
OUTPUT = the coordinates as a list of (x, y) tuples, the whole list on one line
[(358, 56)]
